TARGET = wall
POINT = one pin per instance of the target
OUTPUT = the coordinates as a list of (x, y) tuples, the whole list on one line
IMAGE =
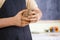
[(50, 9)]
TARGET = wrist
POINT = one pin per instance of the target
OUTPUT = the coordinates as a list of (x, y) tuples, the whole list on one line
[(16, 21), (12, 21)]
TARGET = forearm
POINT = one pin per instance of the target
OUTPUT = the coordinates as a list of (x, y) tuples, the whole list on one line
[(4, 22)]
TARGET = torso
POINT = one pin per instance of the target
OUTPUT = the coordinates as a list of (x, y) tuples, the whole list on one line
[(9, 9)]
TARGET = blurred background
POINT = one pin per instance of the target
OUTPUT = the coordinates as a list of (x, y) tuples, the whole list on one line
[(50, 15), (50, 9), (50, 19)]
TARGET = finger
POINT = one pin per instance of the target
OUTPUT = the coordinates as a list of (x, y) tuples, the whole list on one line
[(25, 13), (25, 19), (24, 23), (32, 13), (22, 11), (32, 16), (33, 20), (35, 11), (38, 16)]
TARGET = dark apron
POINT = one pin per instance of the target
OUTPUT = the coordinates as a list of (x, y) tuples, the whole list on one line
[(9, 9)]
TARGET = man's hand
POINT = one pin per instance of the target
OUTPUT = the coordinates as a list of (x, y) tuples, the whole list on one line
[(16, 20), (22, 20), (35, 15)]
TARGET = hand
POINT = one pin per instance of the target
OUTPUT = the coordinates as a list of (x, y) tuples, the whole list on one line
[(34, 15), (20, 20)]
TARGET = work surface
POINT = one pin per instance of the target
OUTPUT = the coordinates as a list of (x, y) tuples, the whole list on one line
[(46, 36)]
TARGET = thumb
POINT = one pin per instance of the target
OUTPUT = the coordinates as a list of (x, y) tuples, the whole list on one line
[(22, 12)]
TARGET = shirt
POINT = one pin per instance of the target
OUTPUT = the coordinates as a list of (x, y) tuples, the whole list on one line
[(9, 9)]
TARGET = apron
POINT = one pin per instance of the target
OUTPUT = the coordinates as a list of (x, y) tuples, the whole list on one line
[(9, 9)]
